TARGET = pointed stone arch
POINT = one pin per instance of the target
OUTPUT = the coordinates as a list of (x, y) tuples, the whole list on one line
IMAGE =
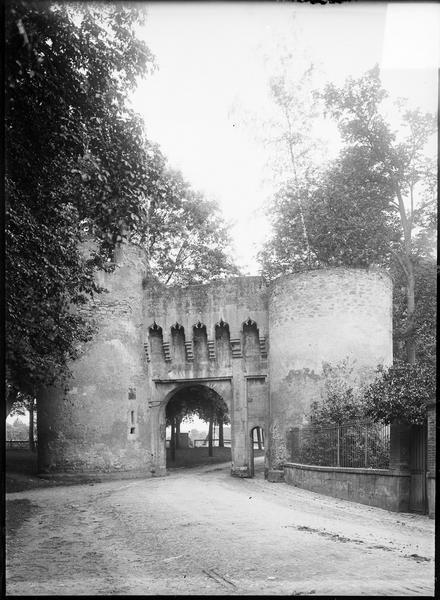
[(200, 344), (251, 341), (223, 344), (178, 351), (155, 338)]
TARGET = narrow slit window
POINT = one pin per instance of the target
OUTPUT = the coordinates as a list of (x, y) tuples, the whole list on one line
[(132, 427)]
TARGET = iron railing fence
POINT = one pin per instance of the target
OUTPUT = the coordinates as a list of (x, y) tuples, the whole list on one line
[(353, 444)]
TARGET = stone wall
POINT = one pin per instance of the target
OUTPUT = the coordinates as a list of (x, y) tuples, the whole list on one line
[(183, 343), (152, 339), (231, 302), (323, 316), (100, 424), (375, 487)]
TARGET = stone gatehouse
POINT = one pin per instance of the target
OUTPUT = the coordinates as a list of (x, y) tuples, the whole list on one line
[(259, 346)]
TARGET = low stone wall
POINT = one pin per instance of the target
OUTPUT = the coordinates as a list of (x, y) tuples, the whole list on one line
[(375, 487), (430, 489)]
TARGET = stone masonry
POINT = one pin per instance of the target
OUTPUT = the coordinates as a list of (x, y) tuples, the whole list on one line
[(260, 347)]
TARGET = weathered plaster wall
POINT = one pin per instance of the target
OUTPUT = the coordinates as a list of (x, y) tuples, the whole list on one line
[(322, 316), (89, 428)]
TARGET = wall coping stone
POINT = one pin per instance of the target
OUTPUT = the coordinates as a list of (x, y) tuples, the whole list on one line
[(361, 470), (95, 476)]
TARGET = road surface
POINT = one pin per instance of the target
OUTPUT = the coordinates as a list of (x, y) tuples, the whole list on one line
[(201, 531)]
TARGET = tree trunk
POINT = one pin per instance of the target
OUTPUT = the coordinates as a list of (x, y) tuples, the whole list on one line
[(408, 267), (173, 440), (259, 438), (410, 295), (177, 434), (211, 423), (31, 426), (11, 397), (221, 441), (298, 199)]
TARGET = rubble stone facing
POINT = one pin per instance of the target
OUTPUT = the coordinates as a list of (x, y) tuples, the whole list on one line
[(324, 316)]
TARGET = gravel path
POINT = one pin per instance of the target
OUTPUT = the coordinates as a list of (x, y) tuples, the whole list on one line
[(200, 531)]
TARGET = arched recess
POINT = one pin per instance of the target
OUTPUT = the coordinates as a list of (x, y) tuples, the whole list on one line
[(162, 393), (155, 336), (197, 397), (251, 345), (178, 344), (200, 344), (256, 446), (222, 344)]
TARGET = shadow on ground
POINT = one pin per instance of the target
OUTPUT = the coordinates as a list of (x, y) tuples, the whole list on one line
[(21, 466), (196, 457), (21, 471)]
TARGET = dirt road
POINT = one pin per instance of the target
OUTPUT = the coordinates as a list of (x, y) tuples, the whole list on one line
[(200, 531)]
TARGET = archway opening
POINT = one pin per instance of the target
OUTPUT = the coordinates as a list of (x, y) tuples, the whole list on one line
[(198, 427), (257, 451)]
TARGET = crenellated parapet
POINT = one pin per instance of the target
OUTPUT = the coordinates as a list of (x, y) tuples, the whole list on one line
[(220, 349), (204, 328)]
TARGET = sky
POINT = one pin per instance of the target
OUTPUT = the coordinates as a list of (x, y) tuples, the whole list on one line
[(212, 78)]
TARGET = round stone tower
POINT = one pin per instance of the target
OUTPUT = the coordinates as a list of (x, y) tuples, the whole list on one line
[(322, 316), (99, 424)]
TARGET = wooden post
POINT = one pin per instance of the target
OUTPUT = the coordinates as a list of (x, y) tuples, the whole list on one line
[(221, 441)]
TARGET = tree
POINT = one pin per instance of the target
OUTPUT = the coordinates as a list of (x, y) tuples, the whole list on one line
[(342, 400), (18, 431), (401, 162), (373, 205), (80, 167), (76, 167), (184, 234), (341, 432), (206, 404), (288, 133), (297, 108), (401, 392), (26, 404)]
